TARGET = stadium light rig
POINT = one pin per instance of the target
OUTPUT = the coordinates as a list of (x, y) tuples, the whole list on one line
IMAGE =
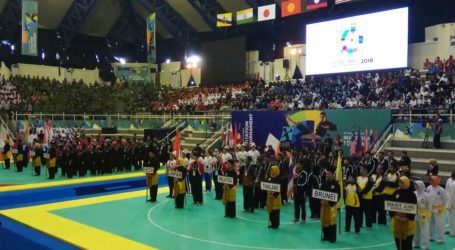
[(296, 51), (193, 61), (121, 60)]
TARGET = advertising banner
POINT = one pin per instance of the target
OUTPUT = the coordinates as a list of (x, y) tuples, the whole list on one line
[(132, 73), (29, 28), (356, 130), (151, 38)]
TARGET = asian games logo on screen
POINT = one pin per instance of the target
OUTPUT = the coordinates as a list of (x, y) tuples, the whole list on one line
[(351, 40)]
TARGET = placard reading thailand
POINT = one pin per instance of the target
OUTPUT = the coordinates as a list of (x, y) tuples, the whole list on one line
[(400, 207), (149, 170), (226, 180), (268, 186), (46, 156), (325, 195), (175, 174), (366, 42)]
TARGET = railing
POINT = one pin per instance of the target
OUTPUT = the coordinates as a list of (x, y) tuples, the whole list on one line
[(378, 144), (118, 116), (7, 130), (418, 115), (173, 132), (408, 115), (224, 125)]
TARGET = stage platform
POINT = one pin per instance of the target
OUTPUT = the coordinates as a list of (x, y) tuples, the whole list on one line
[(125, 221)]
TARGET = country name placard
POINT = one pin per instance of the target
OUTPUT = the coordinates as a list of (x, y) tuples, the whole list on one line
[(175, 174), (400, 207), (325, 195), (149, 170), (226, 180), (268, 186)]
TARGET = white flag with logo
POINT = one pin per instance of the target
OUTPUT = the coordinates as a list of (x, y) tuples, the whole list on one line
[(267, 12)]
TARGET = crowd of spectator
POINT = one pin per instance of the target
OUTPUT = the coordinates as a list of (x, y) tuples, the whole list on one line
[(199, 99), (9, 96), (392, 89), (51, 96)]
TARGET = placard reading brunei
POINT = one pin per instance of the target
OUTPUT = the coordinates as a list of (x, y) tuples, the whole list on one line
[(324, 195), (175, 174), (268, 186), (400, 207), (149, 170), (226, 180)]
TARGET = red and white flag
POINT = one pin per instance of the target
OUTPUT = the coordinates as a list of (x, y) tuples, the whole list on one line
[(266, 12), (231, 137), (176, 145)]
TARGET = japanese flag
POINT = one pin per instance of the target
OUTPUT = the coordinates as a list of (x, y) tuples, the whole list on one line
[(267, 12)]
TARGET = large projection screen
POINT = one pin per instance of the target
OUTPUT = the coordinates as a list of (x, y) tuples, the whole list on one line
[(224, 62), (366, 42)]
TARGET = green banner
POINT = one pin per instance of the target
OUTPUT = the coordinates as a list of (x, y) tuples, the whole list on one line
[(151, 38), (368, 124), (29, 28), (419, 130), (132, 73)]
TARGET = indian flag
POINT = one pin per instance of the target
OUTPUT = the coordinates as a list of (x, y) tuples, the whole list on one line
[(224, 20), (245, 16)]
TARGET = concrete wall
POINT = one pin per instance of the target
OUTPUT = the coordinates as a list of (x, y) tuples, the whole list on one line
[(88, 76), (4, 71), (185, 75), (172, 75), (438, 42), (419, 52), (41, 71), (165, 74)]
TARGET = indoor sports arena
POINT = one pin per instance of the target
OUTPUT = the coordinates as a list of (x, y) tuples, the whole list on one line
[(227, 124)]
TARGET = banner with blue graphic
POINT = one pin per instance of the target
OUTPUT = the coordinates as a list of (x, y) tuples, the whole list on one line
[(359, 128), (29, 28)]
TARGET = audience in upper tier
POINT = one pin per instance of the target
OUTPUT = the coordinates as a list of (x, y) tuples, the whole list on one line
[(392, 89), (9, 97), (51, 96)]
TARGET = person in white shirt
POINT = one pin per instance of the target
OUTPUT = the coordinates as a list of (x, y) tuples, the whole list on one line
[(241, 155), (171, 164), (438, 198), (422, 234), (208, 168), (226, 156), (254, 153), (450, 187)]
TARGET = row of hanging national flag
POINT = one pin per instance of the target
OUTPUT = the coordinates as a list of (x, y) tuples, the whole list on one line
[(231, 137), (269, 12), (363, 143)]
